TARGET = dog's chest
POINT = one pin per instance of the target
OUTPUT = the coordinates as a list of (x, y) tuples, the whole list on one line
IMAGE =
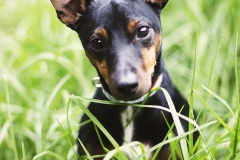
[(129, 128), (127, 123)]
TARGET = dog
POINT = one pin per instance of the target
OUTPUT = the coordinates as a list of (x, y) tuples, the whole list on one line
[(123, 41)]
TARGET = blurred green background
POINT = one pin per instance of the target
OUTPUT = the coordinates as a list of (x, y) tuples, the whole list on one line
[(42, 62)]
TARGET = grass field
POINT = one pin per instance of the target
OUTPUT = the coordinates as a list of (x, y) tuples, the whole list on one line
[(42, 63)]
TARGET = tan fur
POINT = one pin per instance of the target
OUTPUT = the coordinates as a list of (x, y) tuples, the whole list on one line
[(149, 59), (158, 42), (101, 66), (149, 55), (132, 25), (103, 69), (102, 33)]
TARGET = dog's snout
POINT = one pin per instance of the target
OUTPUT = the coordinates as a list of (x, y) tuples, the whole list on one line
[(128, 84)]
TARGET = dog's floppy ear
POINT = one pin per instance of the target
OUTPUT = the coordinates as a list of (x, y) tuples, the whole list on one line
[(160, 3), (69, 11)]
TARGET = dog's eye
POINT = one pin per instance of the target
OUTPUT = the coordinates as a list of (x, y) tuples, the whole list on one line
[(142, 31), (96, 44)]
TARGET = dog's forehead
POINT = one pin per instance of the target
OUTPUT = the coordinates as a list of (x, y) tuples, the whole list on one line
[(116, 12), (119, 7), (110, 1), (107, 2)]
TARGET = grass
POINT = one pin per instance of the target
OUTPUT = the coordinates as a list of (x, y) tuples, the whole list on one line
[(42, 63)]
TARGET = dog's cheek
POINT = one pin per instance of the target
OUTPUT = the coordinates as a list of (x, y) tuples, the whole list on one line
[(149, 59), (149, 54), (103, 69), (158, 42), (101, 66)]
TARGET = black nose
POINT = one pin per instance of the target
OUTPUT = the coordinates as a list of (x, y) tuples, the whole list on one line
[(128, 84)]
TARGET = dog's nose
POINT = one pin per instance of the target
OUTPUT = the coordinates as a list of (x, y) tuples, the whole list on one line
[(128, 84)]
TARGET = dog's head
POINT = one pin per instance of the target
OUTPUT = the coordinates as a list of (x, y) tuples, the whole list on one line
[(121, 38)]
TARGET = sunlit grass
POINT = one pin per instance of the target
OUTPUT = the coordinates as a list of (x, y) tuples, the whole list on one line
[(42, 63)]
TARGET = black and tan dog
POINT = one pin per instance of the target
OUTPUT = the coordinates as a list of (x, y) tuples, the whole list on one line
[(123, 41)]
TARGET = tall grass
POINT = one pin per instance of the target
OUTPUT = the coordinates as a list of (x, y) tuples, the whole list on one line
[(42, 63)]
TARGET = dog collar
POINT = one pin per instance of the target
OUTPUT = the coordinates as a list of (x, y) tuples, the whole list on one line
[(140, 99)]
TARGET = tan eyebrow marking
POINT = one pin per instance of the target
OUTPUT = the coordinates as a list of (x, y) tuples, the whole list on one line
[(102, 33), (132, 25)]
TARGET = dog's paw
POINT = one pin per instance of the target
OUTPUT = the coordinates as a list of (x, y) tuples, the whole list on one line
[(135, 151)]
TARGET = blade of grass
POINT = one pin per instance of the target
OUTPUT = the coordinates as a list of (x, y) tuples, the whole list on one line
[(69, 140), (235, 145), (113, 152), (220, 99), (143, 102), (175, 138), (57, 140), (209, 148), (178, 125), (85, 150), (4, 130), (67, 117), (193, 74), (100, 139), (237, 156), (170, 128), (18, 86), (142, 150), (210, 77), (174, 146), (213, 63), (12, 132), (135, 105), (203, 110), (216, 115), (163, 108), (56, 89), (139, 105), (61, 60), (191, 100), (97, 123), (50, 153), (23, 152)]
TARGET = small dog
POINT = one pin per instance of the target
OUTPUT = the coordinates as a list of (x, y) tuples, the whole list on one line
[(123, 41)]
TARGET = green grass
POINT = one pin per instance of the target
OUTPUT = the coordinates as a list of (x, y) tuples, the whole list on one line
[(42, 63)]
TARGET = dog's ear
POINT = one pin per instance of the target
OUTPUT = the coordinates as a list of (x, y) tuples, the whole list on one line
[(159, 3), (69, 11)]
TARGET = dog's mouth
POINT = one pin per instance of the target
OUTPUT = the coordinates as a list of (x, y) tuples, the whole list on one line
[(129, 86), (127, 96), (134, 96)]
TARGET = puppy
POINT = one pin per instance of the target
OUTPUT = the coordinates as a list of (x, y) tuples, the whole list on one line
[(123, 41)]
